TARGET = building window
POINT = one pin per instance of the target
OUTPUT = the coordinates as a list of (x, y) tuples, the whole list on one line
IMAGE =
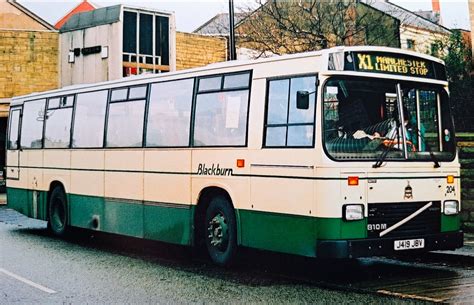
[(145, 43), (221, 111), (435, 49), (287, 126), (410, 44)]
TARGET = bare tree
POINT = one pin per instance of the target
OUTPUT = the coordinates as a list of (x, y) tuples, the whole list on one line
[(292, 26)]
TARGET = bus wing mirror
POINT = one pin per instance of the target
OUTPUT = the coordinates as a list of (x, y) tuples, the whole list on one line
[(302, 100)]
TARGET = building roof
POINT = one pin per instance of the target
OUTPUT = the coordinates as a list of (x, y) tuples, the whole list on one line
[(406, 17), (100, 16), (84, 6), (218, 25), (31, 14), (430, 15)]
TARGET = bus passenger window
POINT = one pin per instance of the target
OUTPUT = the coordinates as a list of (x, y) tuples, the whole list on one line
[(287, 126), (57, 132), (221, 115), (169, 114), (125, 124), (32, 124), (89, 119), (13, 133)]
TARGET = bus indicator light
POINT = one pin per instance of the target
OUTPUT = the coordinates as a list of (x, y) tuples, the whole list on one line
[(353, 181), (450, 179), (240, 163)]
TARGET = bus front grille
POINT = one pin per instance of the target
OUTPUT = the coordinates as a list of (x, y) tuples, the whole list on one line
[(384, 215)]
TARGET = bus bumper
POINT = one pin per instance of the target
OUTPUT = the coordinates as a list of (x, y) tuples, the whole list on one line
[(385, 246)]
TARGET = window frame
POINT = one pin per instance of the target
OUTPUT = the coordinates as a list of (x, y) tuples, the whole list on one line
[(287, 125), (12, 109), (71, 125), (146, 98), (425, 86), (191, 117), (197, 92), (22, 121), (74, 118)]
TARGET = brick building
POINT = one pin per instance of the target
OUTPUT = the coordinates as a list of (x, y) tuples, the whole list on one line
[(28, 58), (471, 16)]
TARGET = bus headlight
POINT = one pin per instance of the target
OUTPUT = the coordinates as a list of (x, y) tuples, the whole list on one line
[(352, 212), (451, 207)]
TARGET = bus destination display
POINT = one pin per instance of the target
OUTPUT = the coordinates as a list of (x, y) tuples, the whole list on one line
[(393, 64)]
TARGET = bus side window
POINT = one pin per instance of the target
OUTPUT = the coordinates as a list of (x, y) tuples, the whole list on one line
[(89, 119), (169, 114), (32, 124), (287, 126), (222, 110), (14, 134)]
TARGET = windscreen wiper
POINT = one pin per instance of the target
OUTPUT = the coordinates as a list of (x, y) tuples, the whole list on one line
[(430, 151), (387, 148)]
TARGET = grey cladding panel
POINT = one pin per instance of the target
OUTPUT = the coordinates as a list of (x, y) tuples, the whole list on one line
[(101, 16)]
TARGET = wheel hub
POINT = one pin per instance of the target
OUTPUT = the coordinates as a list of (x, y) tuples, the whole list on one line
[(218, 232)]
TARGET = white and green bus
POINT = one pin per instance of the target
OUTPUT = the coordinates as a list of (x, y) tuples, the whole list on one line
[(341, 153)]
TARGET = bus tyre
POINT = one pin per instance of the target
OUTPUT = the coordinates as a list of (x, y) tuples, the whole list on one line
[(57, 220), (221, 231)]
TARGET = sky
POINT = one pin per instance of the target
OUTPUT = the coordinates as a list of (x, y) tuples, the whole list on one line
[(190, 14)]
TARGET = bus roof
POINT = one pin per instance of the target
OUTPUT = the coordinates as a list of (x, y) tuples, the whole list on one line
[(213, 68)]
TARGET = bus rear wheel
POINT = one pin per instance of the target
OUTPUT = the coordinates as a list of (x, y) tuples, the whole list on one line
[(57, 212), (221, 231)]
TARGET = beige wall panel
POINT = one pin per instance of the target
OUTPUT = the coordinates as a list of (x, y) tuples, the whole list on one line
[(165, 187), (422, 38), (87, 159), (57, 158), (168, 161), (115, 52), (288, 196), (89, 183), (13, 18), (237, 187), (34, 176), (168, 188), (63, 176), (288, 67), (256, 114), (326, 198), (124, 159), (124, 185), (12, 164), (281, 195), (35, 179), (423, 190)]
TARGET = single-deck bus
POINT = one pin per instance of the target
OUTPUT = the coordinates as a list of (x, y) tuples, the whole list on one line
[(341, 153)]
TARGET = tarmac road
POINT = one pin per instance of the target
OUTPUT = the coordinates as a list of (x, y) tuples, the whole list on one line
[(36, 267)]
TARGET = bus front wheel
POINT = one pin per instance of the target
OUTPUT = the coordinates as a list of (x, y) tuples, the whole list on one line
[(57, 220), (221, 231)]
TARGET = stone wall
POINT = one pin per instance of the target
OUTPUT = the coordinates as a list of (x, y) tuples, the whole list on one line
[(466, 155), (28, 62), (194, 50)]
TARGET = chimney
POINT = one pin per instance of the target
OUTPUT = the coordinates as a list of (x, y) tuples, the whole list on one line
[(471, 15), (436, 6)]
